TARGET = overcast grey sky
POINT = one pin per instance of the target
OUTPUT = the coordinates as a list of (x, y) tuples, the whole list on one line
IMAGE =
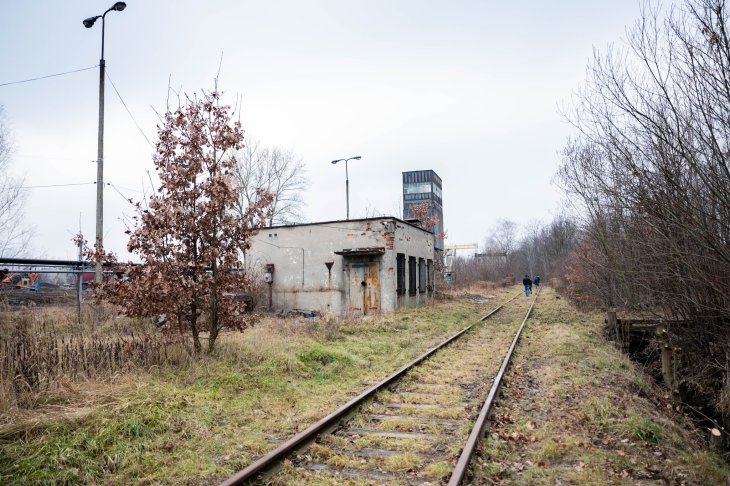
[(470, 89)]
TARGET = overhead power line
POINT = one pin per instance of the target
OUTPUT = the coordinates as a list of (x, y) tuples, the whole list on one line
[(127, 199), (127, 108), (48, 76), (108, 183), (125, 188), (59, 185)]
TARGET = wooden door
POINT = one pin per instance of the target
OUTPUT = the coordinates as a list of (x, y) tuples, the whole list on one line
[(364, 287)]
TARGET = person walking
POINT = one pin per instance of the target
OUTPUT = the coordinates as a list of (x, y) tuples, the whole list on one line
[(527, 282), (536, 281)]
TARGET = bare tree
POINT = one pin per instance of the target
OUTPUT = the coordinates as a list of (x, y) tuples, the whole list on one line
[(530, 247), (371, 211), (557, 240), (503, 237), (501, 243), (542, 249), (14, 236), (649, 172), (277, 172)]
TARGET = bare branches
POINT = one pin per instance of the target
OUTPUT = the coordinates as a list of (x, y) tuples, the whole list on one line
[(538, 249), (650, 171), (277, 172), (14, 235), (503, 237), (655, 133)]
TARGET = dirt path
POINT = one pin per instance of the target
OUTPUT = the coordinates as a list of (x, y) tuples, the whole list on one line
[(576, 411)]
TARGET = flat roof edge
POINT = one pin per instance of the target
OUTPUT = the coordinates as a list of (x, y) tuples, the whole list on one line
[(379, 218)]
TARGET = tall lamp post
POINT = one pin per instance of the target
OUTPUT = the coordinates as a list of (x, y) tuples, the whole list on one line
[(347, 182), (88, 23)]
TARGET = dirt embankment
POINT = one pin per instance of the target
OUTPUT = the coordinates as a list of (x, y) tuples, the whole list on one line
[(577, 411)]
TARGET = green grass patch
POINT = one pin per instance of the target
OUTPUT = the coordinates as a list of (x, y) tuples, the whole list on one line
[(599, 413), (439, 470), (318, 357), (642, 428), (402, 462)]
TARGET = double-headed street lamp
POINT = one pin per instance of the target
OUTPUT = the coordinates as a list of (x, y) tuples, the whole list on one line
[(347, 182), (88, 23)]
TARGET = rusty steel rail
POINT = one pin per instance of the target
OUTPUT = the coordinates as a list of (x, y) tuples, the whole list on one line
[(493, 311), (269, 461), (479, 426)]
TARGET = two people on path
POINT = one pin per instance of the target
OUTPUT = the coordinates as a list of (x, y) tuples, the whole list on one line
[(527, 282)]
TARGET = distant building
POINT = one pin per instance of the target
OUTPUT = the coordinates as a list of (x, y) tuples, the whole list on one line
[(353, 267), (493, 257), (424, 186)]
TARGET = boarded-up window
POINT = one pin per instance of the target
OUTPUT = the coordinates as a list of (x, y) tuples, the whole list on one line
[(400, 281), (412, 275), (421, 275), (429, 265)]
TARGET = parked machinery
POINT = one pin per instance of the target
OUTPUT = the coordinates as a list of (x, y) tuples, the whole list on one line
[(20, 280)]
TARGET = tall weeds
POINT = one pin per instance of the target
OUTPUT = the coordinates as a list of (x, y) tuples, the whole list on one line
[(37, 357)]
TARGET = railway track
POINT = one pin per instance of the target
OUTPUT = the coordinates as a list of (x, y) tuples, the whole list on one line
[(420, 425)]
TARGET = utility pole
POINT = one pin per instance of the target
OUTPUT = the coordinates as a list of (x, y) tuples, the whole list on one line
[(88, 23), (80, 277), (98, 275)]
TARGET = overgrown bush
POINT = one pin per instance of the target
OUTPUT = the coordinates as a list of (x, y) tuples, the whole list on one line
[(649, 173)]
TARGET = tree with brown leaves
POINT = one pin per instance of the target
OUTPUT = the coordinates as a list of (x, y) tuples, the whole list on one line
[(189, 236), (421, 213)]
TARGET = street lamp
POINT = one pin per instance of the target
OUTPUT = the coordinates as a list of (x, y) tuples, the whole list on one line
[(347, 181), (88, 23)]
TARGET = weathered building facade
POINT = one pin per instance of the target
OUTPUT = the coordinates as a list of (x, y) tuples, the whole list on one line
[(355, 267)]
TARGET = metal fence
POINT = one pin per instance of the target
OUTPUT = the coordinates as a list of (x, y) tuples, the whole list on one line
[(20, 276)]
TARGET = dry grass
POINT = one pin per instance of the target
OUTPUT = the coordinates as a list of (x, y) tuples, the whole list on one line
[(43, 353), (98, 319), (211, 417), (203, 420), (577, 411)]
